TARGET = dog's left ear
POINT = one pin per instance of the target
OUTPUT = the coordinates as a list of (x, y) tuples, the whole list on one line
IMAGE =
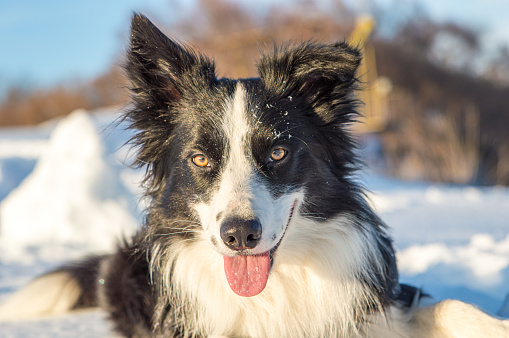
[(324, 74)]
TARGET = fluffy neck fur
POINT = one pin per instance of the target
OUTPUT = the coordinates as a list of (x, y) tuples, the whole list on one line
[(314, 289)]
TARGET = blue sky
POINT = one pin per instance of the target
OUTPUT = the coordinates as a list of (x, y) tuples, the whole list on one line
[(55, 41), (46, 42)]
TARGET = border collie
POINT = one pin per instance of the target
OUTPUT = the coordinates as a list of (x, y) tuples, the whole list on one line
[(257, 227)]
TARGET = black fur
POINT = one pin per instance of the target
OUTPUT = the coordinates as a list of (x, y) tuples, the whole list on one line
[(86, 274)]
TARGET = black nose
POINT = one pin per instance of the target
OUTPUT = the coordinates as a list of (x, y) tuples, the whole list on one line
[(240, 234)]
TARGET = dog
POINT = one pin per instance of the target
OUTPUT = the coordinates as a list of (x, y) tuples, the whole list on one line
[(256, 225)]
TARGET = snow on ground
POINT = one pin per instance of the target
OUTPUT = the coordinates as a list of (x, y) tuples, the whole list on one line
[(79, 324), (65, 193), (452, 240)]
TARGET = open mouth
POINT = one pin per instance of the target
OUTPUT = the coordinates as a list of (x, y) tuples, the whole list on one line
[(247, 275), (273, 250)]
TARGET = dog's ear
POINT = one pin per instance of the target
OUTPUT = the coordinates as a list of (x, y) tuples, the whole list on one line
[(324, 74), (159, 67), (161, 72)]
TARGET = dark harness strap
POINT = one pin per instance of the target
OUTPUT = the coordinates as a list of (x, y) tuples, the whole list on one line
[(409, 296)]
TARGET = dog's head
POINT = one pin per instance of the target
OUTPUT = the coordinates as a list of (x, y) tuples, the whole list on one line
[(234, 162)]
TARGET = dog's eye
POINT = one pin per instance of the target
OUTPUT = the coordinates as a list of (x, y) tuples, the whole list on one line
[(278, 154), (201, 160)]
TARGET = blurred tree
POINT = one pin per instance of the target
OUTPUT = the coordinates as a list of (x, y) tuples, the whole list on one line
[(498, 70), (31, 106), (447, 118)]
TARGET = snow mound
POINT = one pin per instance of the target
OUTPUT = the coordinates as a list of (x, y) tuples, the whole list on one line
[(73, 197), (481, 264)]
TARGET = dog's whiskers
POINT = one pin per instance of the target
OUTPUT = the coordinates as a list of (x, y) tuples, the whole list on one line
[(177, 233), (314, 217)]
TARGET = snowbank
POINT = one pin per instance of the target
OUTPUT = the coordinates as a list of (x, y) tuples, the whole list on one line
[(481, 265), (73, 198), (82, 324), (453, 241)]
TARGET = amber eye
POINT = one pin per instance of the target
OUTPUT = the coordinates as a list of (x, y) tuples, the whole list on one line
[(278, 154), (200, 160)]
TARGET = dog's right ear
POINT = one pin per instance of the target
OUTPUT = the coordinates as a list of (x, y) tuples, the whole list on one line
[(159, 67), (161, 72)]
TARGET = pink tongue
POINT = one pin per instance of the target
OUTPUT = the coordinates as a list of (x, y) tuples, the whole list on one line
[(247, 275)]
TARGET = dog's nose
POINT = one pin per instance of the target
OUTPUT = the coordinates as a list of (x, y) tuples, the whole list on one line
[(240, 234)]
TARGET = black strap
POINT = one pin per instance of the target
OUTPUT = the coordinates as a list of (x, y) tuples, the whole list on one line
[(408, 296)]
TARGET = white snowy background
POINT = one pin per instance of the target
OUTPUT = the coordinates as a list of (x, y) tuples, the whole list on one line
[(66, 192)]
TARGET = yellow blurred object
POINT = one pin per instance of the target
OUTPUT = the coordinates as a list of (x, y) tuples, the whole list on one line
[(362, 31), (374, 90)]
